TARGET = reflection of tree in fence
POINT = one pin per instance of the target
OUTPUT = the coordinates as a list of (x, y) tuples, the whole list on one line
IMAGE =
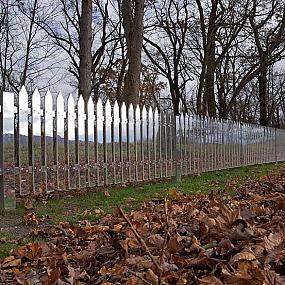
[(61, 143)]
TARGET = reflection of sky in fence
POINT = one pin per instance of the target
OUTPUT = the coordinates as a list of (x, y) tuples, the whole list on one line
[(49, 105), (201, 130)]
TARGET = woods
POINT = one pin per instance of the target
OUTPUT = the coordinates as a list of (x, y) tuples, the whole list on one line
[(221, 59)]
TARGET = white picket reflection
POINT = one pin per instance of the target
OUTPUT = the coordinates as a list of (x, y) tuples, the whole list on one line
[(122, 143), (71, 140), (8, 157)]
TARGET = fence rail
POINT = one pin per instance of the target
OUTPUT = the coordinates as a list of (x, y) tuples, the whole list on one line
[(54, 143)]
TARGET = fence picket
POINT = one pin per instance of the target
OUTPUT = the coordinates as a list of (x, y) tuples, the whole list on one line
[(71, 143), (113, 148), (36, 144), (136, 125), (90, 155), (128, 143)]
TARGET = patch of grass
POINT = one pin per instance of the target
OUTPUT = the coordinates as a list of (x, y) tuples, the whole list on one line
[(88, 206), (7, 243)]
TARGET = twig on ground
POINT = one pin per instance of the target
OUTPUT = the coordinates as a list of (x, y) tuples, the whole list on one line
[(141, 241), (166, 228), (65, 233)]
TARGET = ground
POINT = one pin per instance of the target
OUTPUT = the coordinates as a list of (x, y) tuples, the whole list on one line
[(68, 222)]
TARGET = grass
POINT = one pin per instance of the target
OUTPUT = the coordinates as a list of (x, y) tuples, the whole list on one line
[(6, 243), (89, 206)]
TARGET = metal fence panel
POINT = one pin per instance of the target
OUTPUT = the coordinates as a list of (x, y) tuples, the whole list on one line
[(61, 142)]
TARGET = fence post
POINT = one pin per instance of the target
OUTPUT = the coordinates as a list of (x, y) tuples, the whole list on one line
[(241, 145), (275, 144), (1, 152), (176, 152)]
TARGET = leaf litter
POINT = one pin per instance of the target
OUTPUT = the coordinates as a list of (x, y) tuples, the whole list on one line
[(183, 240)]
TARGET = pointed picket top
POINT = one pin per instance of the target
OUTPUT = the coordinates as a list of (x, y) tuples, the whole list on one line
[(49, 114), (70, 104), (156, 112), (23, 100), (99, 103), (91, 118), (116, 113), (60, 114), (36, 109), (36, 99), (150, 113), (108, 108), (71, 117), (144, 113), (124, 112), (131, 112), (187, 122), (81, 117), (108, 111), (48, 102), (99, 114), (90, 109), (138, 113), (80, 103), (59, 103)]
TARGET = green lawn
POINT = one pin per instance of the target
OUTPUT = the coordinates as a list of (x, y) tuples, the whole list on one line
[(88, 206)]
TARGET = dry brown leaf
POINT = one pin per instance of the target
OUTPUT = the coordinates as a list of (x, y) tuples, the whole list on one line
[(174, 245), (156, 240), (273, 241), (246, 255), (28, 205), (11, 261), (272, 278), (212, 280)]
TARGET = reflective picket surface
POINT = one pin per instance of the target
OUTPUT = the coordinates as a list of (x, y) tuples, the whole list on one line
[(54, 142)]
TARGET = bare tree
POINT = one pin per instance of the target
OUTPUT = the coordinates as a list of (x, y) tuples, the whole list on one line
[(67, 29), (269, 40), (220, 24), (25, 53), (167, 52)]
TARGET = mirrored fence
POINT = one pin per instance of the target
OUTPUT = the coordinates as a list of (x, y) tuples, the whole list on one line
[(54, 142)]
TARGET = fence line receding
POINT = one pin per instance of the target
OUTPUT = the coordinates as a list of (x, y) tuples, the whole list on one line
[(60, 142)]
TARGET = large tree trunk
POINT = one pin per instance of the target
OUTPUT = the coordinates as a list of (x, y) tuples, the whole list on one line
[(262, 91), (209, 89), (133, 12), (85, 56)]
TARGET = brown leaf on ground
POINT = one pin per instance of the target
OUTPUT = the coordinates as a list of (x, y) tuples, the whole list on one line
[(198, 239)]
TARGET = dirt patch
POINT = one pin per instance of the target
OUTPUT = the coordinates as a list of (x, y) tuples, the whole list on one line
[(14, 226)]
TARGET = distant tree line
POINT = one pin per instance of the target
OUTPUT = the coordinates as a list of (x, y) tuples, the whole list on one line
[(219, 58)]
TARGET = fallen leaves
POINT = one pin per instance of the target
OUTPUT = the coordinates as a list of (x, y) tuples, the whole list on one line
[(201, 239)]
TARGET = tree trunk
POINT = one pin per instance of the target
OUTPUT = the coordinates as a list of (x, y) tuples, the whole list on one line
[(133, 12), (209, 90), (262, 91), (85, 56), (200, 89)]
